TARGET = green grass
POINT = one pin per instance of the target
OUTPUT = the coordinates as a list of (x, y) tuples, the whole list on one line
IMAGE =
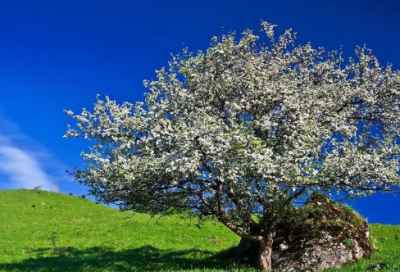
[(43, 231)]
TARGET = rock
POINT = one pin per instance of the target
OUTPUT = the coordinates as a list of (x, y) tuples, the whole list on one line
[(322, 234), (376, 267)]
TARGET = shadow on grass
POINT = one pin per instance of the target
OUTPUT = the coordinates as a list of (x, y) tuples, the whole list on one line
[(100, 258)]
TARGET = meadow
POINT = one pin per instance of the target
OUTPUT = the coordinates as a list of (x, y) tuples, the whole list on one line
[(45, 231)]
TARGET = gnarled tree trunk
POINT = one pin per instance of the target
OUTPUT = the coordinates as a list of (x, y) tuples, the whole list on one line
[(264, 255), (256, 254)]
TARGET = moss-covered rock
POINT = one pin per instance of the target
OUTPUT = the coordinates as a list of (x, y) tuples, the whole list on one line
[(321, 234)]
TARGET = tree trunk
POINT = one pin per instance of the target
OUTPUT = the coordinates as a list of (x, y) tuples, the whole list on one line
[(255, 254), (265, 255)]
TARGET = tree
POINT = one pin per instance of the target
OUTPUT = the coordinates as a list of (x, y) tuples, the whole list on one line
[(244, 130)]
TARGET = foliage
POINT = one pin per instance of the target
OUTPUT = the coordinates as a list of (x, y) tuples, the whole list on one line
[(96, 238)]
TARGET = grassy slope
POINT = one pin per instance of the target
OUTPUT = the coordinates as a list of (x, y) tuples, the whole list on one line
[(42, 231)]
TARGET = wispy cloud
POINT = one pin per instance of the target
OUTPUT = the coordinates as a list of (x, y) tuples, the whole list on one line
[(23, 169), (24, 163)]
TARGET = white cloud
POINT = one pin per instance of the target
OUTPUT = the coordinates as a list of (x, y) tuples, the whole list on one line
[(23, 169), (24, 163)]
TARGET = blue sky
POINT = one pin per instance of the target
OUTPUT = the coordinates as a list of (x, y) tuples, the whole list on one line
[(57, 55)]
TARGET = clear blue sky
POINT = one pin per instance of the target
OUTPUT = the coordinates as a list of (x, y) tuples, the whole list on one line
[(57, 55)]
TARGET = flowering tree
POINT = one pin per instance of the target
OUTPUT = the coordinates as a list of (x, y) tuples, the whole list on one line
[(243, 130)]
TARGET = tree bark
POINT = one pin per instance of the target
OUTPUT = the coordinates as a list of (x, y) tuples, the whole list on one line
[(265, 255), (256, 254)]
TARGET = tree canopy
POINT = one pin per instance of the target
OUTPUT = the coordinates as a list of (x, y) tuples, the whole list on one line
[(244, 129)]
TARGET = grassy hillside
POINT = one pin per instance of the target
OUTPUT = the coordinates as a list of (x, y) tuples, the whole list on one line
[(42, 231)]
